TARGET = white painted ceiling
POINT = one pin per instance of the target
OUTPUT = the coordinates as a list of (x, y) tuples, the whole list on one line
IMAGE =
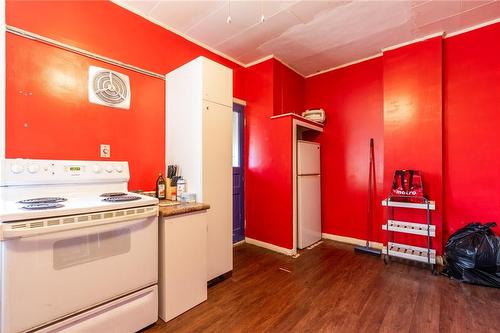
[(311, 36)]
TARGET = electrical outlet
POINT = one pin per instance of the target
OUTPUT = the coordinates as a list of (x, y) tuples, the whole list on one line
[(106, 151)]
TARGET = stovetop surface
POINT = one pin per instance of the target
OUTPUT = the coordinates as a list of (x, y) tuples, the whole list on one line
[(12, 210)]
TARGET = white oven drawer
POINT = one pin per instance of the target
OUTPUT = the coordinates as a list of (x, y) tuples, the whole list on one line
[(46, 276), (125, 315)]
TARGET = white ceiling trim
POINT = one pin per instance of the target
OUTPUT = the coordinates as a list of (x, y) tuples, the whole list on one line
[(345, 65), (287, 65), (474, 27), (192, 40), (272, 56), (417, 40), (258, 61)]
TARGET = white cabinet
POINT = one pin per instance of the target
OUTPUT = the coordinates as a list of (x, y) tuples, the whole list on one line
[(199, 140), (217, 83), (183, 263)]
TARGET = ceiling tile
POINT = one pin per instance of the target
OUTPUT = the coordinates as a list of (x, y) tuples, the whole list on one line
[(337, 26), (468, 4), (214, 29), (181, 15), (255, 36), (142, 7), (307, 10), (467, 19), (435, 10)]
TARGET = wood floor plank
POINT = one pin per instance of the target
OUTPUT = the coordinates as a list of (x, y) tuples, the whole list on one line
[(329, 288)]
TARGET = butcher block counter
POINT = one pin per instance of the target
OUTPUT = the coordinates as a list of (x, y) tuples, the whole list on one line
[(167, 208)]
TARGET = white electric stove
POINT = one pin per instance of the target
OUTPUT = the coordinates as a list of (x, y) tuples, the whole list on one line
[(79, 253)]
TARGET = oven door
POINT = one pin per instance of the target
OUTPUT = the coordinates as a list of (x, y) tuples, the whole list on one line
[(54, 268)]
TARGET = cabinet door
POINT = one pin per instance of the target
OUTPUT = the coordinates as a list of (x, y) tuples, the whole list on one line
[(308, 158), (309, 210), (217, 83), (217, 186), (183, 263)]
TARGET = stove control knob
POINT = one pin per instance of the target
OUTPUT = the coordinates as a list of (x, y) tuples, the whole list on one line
[(33, 168), (96, 168), (17, 168), (119, 168), (109, 169)]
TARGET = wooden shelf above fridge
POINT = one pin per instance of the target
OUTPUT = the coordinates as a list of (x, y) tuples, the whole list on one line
[(301, 121)]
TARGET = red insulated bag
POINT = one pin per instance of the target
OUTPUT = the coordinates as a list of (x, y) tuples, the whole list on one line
[(407, 186)]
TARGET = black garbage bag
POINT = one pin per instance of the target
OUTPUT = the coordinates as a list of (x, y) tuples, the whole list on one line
[(473, 255)]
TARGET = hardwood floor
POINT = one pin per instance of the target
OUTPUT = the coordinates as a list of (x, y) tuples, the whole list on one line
[(331, 289)]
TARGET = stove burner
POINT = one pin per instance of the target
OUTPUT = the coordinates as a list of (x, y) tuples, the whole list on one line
[(46, 200), (38, 206), (121, 198), (113, 194)]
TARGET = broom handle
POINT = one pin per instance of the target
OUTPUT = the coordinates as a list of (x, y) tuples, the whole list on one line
[(371, 176)]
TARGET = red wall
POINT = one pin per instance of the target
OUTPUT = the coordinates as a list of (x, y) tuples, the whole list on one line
[(268, 172), (288, 90), (56, 121), (471, 128), (449, 90), (352, 100), (413, 125)]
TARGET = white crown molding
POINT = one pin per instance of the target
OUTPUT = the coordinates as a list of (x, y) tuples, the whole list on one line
[(183, 35), (272, 56), (474, 27), (345, 65), (413, 41), (258, 61), (290, 67)]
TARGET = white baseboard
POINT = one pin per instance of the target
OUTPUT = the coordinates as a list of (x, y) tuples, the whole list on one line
[(239, 243), (351, 240), (357, 241), (270, 246)]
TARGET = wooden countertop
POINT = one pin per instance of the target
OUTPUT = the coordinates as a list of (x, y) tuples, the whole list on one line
[(181, 208)]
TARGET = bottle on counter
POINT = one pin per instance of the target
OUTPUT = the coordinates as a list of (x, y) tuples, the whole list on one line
[(181, 187), (161, 187)]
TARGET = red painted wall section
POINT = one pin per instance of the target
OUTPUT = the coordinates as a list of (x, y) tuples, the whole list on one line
[(288, 90), (412, 77), (268, 172), (126, 37), (471, 128), (353, 102), (48, 115)]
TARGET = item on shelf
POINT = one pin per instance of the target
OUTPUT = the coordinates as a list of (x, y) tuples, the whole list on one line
[(171, 171), (317, 115), (181, 187), (473, 255), (407, 186), (187, 197), (161, 187)]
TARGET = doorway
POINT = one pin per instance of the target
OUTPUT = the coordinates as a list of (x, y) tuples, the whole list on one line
[(238, 174)]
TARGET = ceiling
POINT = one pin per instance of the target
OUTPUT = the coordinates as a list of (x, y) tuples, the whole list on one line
[(311, 36)]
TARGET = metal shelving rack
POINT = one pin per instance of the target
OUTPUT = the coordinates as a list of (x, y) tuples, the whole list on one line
[(421, 254)]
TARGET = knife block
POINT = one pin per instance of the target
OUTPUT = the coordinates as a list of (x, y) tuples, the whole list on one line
[(170, 190)]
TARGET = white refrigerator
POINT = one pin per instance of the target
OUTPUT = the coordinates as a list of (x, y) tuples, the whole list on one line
[(309, 193)]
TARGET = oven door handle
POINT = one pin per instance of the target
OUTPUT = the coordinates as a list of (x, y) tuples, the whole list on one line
[(43, 227)]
